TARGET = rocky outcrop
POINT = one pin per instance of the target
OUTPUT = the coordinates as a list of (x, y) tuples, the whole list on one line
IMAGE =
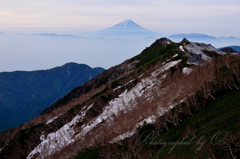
[(185, 41), (164, 41), (199, 52)]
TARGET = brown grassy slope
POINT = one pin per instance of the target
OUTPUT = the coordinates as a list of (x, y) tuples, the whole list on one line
[(94, 83), (78, 95), (144, 109), (222, 74), (205, 80)]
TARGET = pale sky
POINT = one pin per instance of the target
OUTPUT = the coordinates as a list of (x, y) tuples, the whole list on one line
[(213, 17), (26, 52)]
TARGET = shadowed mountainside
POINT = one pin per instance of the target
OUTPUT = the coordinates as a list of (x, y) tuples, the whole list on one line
[(237, 48), (25, 94)]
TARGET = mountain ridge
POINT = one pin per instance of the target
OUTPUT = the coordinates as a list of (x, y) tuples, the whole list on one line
[(54, 34), (108, 111), (199, 36), (191, 36)]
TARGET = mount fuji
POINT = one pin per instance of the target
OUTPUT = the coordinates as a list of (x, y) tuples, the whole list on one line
[(128, 23), (126, 28)]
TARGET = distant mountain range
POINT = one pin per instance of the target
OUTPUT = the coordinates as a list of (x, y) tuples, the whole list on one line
[(25, 94), (126, 28), (194, 36), (191, 36), (130, 28), (231, 37), (54, 34)]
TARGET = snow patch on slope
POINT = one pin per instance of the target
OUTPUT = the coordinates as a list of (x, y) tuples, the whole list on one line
[(59, 139), (125, 101), (51, 120), (149, 120), (175, 55), (187, 70), (130, 133), (64, 136), (181, 48)]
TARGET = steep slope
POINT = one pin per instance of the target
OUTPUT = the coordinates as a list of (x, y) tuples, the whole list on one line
[(113, 105), (24, 95), (207, 132), (126, 28), (203, 134)]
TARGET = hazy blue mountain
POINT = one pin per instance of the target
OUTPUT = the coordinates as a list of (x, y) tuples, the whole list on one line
[(237, 48), (201, 37), (192, 36), (230, 38), (125, 28), (25, 94), (54, 34)]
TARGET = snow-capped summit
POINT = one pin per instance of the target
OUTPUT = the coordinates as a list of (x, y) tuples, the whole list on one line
[(127, 23), (126, 28)]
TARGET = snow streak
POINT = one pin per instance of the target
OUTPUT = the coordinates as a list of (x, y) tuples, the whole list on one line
[(126, 101), (59, 139)]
